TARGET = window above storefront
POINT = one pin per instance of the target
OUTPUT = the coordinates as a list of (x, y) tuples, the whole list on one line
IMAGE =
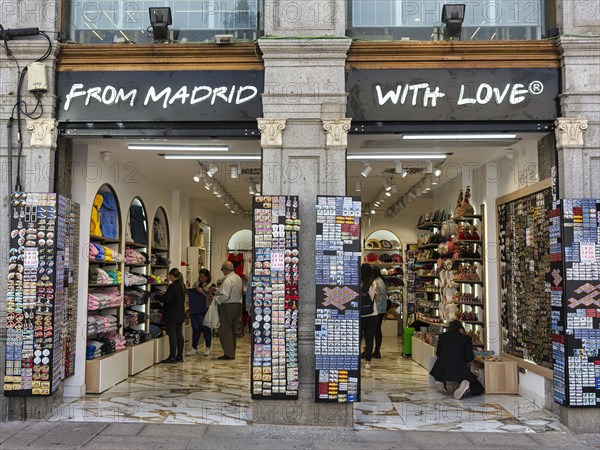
[(110, 21), (421, 20)]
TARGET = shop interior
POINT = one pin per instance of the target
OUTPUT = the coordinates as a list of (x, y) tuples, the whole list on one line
[(170, 209)]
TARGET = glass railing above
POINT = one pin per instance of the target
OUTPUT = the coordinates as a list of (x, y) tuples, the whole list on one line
[(110, 21)]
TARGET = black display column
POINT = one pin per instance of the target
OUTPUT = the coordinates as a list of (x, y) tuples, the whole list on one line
[(575, 275)]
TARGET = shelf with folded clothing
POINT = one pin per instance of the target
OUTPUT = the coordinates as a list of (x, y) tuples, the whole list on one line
[(135, 245)]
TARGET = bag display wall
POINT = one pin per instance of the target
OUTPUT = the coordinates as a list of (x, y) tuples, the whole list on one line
[(337, 323), (41, 295), (575, 271)]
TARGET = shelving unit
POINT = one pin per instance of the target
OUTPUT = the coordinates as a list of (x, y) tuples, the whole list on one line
[(378, 244), (441, 290), (104, 372), (141, 355), (159, 252)]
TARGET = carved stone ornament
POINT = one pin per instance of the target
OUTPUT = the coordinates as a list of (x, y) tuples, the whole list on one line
[(569, 131), (271, 132), (43, 132), (337, 131)]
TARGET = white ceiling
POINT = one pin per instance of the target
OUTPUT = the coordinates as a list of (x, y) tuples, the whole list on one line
[(178, 174)]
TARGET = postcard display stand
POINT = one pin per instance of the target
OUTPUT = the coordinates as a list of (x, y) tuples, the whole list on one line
[(575, 271), (41, 293), (337, 325), (275, 298)]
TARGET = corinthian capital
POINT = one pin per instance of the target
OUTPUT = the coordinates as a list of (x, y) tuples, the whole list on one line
[(337, 132), (271, 132), (569, 131)]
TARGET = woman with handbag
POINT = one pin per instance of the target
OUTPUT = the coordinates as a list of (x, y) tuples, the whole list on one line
[(368, 310), (199, 299), (174, 315)]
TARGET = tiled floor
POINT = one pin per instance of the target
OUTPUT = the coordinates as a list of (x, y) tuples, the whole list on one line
[(395, 395)]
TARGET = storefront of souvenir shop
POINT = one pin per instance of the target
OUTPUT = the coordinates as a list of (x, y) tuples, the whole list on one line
[(442, 172)]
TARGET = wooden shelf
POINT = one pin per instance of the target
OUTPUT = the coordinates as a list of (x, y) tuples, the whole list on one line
[(429, 225), (473, 260), (136, 285), (427, 276), (104, 240), (104, 263), (467, 218), (381, 249), (162, 249), (470, 304), (135, 245), (158, 266), (468, 282), (135, 265), (427, 246), (104, 308), (467, 242), (426, 261), (104, 285)]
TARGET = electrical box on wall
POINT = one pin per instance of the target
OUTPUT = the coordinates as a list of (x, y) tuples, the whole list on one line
[(36, 77)]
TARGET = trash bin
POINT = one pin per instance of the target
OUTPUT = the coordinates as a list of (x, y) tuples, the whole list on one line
[(407, 341)]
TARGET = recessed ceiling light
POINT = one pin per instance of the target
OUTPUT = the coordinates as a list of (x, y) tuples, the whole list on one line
[(179, 147), (450, 137), (395, 156)]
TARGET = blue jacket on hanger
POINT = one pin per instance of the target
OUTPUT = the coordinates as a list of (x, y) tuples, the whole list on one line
[(108, 215)]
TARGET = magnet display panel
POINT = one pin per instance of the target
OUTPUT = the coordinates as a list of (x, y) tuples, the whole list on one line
[(575, 270), (41, 304), (337, 323), (525, 308), (275, 277)]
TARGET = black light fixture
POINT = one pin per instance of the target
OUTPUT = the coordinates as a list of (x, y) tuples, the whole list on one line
[(160, 19), (453, 16)]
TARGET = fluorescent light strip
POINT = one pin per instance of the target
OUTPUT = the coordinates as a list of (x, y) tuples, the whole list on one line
[(395, 156), (214, 157), (179, 147), (449, 137)]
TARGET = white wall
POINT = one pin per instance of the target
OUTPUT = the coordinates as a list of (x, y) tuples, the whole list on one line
[(403, 226), (90, 172)]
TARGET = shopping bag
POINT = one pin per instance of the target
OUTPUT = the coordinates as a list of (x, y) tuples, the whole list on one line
[(211, 320)]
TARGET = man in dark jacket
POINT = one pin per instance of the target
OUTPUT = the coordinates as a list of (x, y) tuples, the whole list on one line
[(454, 352)]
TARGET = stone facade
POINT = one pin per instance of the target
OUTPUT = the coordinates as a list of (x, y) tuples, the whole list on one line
[(304, 132)]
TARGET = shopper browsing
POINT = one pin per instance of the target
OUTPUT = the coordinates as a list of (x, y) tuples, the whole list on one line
[(228, 297), (199, 297), (381, 309), (368, 310), (174, 315), (454, 353)]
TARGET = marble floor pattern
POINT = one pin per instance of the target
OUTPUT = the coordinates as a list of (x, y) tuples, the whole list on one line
[(395, 396)]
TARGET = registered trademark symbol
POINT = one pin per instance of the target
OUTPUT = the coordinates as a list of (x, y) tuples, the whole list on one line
[(536, 87)]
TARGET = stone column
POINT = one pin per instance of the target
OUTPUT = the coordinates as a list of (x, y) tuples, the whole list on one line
[(578, 131), (304, 140)]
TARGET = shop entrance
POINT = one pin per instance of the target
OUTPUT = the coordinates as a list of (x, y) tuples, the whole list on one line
[(437, 197), (147, 207)]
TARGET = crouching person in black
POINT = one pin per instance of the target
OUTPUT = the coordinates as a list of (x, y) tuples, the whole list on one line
[(454, 352)]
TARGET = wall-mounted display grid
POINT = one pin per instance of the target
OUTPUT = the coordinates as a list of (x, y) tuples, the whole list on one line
[(337, 324), (274, 362), (41, 301), (525, 310), (575, 270)]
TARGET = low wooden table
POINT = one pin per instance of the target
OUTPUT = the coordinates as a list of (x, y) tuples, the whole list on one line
[(500, 377)]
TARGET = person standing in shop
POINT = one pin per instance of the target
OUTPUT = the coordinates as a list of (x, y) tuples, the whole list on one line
[(198, 305), (381, 309), (454, 352), (229, 299), (368, 310), (174, 315)]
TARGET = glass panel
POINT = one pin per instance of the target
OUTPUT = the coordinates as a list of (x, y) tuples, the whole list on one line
[(103, 21), (421, 19)]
